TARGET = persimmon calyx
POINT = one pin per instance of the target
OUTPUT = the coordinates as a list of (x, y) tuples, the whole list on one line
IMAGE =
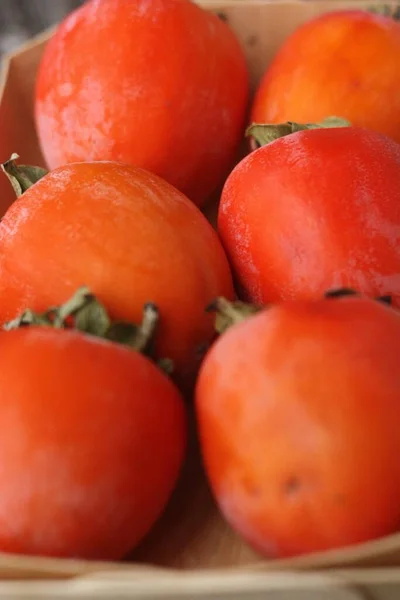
[(230, 313), (85, 313), (265, 133), (21, 177)]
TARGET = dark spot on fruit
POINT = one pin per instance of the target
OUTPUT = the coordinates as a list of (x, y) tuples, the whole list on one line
[(252, 40), (222, 16), (292, 486)]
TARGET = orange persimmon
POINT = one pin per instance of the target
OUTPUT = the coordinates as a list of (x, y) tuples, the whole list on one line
[(344, 63), (129, 236)]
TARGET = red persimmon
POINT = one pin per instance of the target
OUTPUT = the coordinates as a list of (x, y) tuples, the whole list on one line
[(299, 411), (92, 438), (314, 210), (161, 84)]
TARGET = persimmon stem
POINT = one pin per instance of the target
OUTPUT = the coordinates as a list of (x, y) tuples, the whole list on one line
[(85, 313), (21, 177), (230, 313), (265, 133)]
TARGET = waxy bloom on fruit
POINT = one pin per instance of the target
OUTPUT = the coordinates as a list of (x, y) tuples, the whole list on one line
[(92, 432), (314, 210), (160, 84), (125, 233)]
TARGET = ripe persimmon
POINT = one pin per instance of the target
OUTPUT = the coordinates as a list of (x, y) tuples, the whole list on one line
[(129, 236), (160, 84), (92, 436), (299, 413), (313, 210), (344, 63)]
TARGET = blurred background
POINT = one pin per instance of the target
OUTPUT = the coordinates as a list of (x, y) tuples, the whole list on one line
[(21, 19)]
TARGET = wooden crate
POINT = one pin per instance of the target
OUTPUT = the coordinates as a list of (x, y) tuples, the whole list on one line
[(191, 553)]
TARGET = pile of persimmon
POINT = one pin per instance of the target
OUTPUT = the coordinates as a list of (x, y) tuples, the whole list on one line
[(123, 311)]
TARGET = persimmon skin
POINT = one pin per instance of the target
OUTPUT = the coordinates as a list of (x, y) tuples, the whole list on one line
[(299, 411), (92, 437), (162, 85), (130, 237), (344, 63), (312, 211)]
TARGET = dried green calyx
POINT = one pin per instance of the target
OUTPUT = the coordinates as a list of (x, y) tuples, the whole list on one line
[(83, 312), (21, 177), (262, 134), (230, 313)]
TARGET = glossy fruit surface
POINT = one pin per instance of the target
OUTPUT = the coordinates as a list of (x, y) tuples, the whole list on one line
[(127, 235), (315, 210), (160, 84), (344, 63), (92, 437), (299, 411)]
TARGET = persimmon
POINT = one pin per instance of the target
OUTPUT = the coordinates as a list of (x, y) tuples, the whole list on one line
[(129, 236), (298, 409), (162, 85), (92, 433), (313, 210), (342, 63)]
